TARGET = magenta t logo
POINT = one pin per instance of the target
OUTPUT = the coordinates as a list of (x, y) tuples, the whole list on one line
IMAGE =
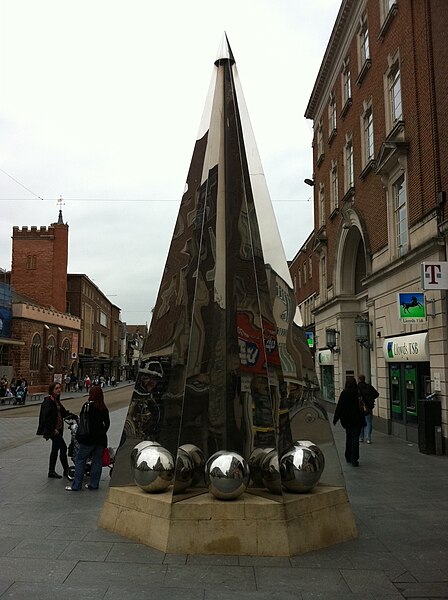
[(432, 272)]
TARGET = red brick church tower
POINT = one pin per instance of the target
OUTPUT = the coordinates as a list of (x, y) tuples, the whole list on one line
[(39, 263)]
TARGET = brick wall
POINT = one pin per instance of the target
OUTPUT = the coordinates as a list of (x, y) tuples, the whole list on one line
[(39, 264)]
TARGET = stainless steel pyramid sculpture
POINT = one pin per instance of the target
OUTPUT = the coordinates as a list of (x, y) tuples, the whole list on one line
[(226, 365)]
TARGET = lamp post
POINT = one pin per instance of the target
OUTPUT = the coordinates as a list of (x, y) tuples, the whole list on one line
[(362, 332), (330, 338)]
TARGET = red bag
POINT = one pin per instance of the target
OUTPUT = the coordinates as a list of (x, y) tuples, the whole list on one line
[(106, 457)]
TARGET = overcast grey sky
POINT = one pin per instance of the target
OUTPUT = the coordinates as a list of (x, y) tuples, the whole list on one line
[(100, 104)]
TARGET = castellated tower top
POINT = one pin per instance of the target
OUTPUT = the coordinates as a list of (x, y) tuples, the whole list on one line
[(39, 263)]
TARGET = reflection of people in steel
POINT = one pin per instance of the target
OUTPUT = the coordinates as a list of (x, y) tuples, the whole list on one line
[(150, 378), (145, 413)]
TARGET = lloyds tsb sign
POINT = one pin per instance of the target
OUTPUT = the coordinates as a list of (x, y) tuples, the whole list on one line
[(407, 348)]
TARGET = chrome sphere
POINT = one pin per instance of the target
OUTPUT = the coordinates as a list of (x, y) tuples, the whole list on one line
[(198, 458), (154, 469), (300, 469), (136, 449), (316, 449), (184, 471), (255, 460), (270, 472), (226, 475)]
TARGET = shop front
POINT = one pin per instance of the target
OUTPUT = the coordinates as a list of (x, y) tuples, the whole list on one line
[(326, 364), (408, 363)]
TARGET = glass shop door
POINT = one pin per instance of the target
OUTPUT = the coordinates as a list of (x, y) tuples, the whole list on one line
[(327, 380)]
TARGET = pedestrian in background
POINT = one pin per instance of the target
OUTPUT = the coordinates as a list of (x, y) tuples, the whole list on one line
[(51, 427), (94, 443), (369, 395), (352, 419)]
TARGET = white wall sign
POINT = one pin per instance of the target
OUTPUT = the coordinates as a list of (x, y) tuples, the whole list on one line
[(325, 357), (435, 275), (407, 348)]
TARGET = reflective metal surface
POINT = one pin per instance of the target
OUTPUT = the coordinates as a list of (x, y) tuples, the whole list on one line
[(154, 469), (270, 473), (137, 449), (226, 475), (314, 448), (198, 458), (255, 461), (226, 364), (184, 471), (300, 469)]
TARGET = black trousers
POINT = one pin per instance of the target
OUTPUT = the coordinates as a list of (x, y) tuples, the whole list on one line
[(352, 443), (58, 446)]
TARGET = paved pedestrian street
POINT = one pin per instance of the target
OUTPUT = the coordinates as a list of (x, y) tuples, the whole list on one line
[(51, 547)]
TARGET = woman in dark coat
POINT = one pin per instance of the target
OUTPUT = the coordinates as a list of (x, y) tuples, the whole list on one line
[(94, 444), (352, 419), (51, 427)]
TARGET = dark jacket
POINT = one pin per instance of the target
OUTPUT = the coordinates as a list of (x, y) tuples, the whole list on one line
[(99, 424), (48, 417), (369, 393), (348, 412)]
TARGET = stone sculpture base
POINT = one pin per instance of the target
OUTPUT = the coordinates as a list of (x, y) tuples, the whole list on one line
[(251, 525)]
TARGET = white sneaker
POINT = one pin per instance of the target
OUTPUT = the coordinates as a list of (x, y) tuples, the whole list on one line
[(369, 442)]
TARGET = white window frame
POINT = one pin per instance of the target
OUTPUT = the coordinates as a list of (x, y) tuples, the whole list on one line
[(346, 82), (385, 8), (400, 208), (321, 199), (364, 44), (334, 186), (349, 177), (323, 277), (332, 121), (393, 96), (320, 140), (367, 133)]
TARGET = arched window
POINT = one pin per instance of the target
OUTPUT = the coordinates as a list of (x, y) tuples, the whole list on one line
[(35, 352), (66, 353), (51, 350)]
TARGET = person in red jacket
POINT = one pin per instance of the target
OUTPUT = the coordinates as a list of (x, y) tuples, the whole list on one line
[(352, 419), (94, 443)]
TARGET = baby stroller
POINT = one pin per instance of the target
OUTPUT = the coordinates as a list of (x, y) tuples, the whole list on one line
[(108, 457)]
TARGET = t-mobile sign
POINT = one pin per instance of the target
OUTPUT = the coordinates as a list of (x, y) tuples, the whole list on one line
[(435, 275)]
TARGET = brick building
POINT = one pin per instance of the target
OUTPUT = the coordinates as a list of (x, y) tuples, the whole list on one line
[(39, 263), (44, 338), (379, 108), (99, 343), (60, 323)]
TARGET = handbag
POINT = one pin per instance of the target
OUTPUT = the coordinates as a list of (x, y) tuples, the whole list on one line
[(106, 457), (83, 431), (363, 408)]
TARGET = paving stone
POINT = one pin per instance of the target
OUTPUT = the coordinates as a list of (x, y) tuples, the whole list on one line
[(97, 573), (94, 551), (225, 578), (39, 570), (134, 553), (117, 592), (299, 579), (37, 591), (35, 549), (373, 582)]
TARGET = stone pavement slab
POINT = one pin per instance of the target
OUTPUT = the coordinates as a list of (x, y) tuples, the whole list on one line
[(51, 547)]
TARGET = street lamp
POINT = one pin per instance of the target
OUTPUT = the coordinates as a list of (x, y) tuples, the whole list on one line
[(330, 338), (362, 332)]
